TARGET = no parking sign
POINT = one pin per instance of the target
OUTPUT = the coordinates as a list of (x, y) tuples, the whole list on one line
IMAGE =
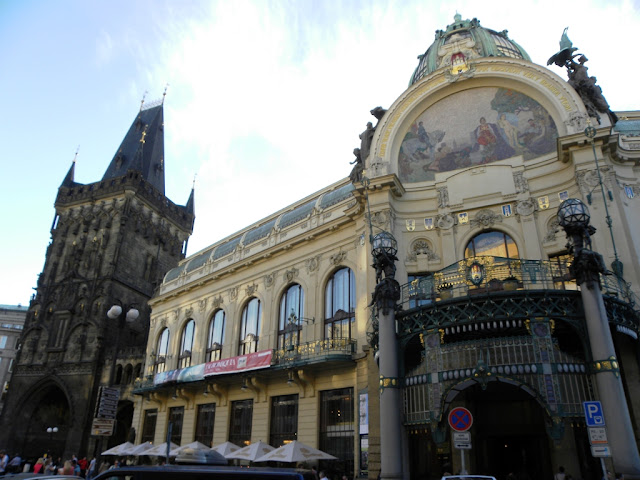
[(460, 419)]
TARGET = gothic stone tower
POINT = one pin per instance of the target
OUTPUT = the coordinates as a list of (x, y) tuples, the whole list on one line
[(111, 243)]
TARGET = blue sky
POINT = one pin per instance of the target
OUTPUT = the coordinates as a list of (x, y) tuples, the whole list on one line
[(265, 99)]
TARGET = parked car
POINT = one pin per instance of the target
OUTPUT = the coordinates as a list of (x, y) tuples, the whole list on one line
[(204, 472), (468, 477)]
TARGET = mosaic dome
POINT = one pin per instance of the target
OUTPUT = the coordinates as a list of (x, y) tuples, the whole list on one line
[(462, 41)]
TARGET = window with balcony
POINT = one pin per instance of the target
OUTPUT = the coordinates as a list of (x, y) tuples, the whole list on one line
[(284, 420), (241, 422), (162, 348), (291, 313), (176, 415), (250, 327), (340, 305), (149, 425), (337, 428), (186, 344), (204, 423), (216, 336), (492, 243)]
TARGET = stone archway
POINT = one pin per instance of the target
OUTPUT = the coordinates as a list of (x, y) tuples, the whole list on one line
[(49, 408)]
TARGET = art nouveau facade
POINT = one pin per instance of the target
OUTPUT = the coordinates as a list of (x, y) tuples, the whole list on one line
[(269, 334)]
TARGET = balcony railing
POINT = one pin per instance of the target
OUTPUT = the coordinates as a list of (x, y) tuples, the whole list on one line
[(312, 352), (486, 275)]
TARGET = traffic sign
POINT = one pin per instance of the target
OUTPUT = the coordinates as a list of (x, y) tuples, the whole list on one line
[(600, 450), (593, 414), (460, 419), (102, 427), (462, 445), (464, 437), (597, 435)]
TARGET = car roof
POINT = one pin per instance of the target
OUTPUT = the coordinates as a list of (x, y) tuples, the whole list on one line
[(161, 472), (38, 476)]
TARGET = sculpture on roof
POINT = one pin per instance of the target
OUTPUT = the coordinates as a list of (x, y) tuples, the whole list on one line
[(358, 168), (579, 79), (366, 138)]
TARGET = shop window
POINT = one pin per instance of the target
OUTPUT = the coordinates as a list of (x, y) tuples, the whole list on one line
[(204, 423), (241, 422), (176, 415), (149, 425), (284, 420), (337, 428)]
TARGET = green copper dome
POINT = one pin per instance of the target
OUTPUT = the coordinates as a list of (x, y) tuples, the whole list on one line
[(461, 42)]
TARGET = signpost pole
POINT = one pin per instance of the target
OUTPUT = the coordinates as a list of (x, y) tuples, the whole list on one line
[(463, 470)]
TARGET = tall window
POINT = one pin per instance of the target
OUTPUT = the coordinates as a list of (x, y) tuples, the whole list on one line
[(291, 313), (186, 344), (204, 423), (149, 425), (284, 420), (3, 341), (250, 327), (216, 335), (240, 423), (176, 414), (162, 349), (337, 428), (340, 295), (493, 244)]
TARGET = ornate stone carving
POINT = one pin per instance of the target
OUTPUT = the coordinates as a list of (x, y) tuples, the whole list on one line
[(312, 264), (337, 258), (421, 247), (576, 121), (485, 218), (443, 197), (269, 279), (251, 289), (217, 302), (525, 207), (233, 293), (445, 222), (202, 305), (188, 313), (520, 182), (290, 274), (552, 229)]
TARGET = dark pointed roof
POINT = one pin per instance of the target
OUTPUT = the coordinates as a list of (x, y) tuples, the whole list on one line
[(142, 148), (190, 206), (69, 179)]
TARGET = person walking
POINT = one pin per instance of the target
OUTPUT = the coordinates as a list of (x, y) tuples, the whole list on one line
[(4, 461)]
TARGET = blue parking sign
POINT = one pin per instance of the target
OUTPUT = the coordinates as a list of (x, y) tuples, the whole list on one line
[(593, 414)]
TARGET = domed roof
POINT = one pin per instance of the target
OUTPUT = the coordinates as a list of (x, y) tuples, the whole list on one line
[(461, 41)]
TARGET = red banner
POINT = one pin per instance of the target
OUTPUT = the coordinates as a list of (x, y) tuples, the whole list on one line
[(243, 363)]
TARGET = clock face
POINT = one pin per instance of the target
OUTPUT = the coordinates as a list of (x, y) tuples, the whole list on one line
[(540, 329)]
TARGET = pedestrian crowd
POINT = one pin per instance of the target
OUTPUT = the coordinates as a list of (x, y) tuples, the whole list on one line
[(47, 465)]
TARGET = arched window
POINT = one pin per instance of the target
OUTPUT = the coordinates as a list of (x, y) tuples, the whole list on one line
[(186, 344), (291, 313), (492, 244), (216, 336), (250, 327), (340, 295), (162, 347)]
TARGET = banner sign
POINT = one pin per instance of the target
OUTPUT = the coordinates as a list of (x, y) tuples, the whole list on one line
[(243, 363)]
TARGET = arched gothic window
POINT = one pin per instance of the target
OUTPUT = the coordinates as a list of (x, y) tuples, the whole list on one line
[(216, 336), (250, 327), (162, 347), (340, 294), (291, 313), (186, 344)]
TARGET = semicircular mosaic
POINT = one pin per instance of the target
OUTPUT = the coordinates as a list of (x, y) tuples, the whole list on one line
[(474, 127)]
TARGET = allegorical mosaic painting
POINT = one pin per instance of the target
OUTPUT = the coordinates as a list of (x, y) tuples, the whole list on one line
[(475, 127)]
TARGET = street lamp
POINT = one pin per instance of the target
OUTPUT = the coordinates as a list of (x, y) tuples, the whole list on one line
[(51, 431), (573, 216), (385, 297), (116, 313)]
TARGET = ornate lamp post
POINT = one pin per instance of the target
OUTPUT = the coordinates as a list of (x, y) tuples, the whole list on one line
[(574, 217), (116, 313), (385, 297)]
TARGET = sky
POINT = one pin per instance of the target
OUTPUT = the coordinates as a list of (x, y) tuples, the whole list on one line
[(264, 102)]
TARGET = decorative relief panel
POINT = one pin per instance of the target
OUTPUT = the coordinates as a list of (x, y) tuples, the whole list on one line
[(485, 218)]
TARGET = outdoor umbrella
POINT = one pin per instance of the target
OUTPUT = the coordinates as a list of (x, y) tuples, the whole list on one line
[(295, 452), (193, 445), (226, 448), (160, 450), (118, 449), (251, 452), (137, 449)]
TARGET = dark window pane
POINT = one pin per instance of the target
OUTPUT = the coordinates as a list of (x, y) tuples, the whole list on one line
[(204, 423), (284, 420), (149, 425), (176, 414), (337, 428), (241, 422)]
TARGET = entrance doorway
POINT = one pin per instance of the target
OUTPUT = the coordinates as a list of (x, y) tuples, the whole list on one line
[(509, 434)]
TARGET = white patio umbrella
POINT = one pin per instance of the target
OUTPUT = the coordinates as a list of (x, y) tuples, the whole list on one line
[(160, 450), (251, 452), (226, 448), (137, 449), (118, 449), (193, 446), (295, 452)]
